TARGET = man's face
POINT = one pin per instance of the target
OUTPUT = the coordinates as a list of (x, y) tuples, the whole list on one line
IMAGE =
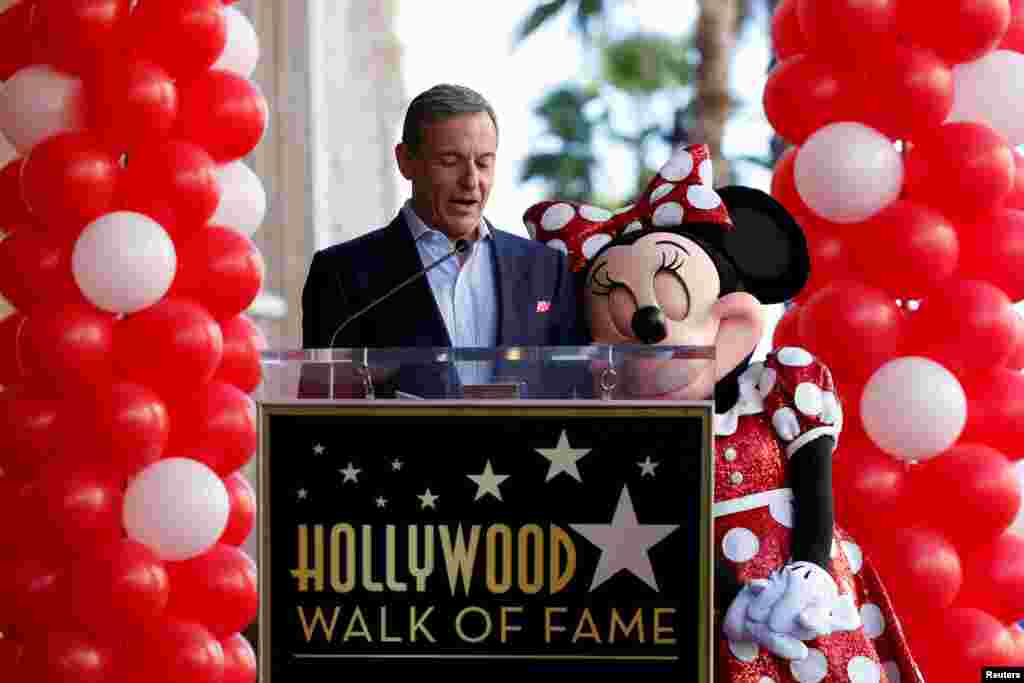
[(452, 172)]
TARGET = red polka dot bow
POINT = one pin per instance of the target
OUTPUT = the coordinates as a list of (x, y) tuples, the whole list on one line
[(680, 193)]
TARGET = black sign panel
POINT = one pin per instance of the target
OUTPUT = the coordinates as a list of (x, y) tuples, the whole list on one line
[(457, 539)]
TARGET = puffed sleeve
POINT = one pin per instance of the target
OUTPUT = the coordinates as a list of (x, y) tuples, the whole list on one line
[(800, 397)]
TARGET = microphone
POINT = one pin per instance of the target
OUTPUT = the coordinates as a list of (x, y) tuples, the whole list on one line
[(460, 247)]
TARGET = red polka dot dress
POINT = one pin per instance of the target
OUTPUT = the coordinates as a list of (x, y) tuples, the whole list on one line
[(785, 402)]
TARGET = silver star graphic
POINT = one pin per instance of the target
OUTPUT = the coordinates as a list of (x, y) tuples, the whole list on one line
[(350, 473), (563, 458), (396, 464), (381, 501), (318, 449), (427, 500), (303, 494), (487, 482), (624, 543), (647, 467)]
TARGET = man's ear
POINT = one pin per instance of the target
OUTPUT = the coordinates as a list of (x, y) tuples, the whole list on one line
[(404, 159), (740, 329)]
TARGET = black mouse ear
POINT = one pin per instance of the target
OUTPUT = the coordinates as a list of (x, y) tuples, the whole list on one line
[(767, 245)]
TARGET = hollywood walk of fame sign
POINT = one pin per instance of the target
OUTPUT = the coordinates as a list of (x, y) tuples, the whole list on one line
[(522, 537)]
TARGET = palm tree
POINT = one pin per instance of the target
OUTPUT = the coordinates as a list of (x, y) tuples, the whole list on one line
[(640, 66)]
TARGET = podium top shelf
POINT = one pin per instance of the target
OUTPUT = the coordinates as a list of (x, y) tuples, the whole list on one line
[(568, 355), (500, 373)]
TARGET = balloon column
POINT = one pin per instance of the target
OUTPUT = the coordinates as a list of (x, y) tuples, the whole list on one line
[(903, 117), (128, 364)]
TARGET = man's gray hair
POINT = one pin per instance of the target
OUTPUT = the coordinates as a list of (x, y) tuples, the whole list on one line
[(441, 102)]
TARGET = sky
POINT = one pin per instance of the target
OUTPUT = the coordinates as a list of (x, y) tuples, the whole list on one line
[(470, 43)]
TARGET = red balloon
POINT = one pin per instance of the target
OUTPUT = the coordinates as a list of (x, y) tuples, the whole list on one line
[(958, 30), (783, 187), (179, 331), (243, 509), (133, 103), (957, 643), (962, 169), (984, 320), (1016, 359), (830, 259), (1014, 37), (13, 211), (906, 249), (162, 28), (17, 50), (67, 657), (129, 426), (787, 39), (36, 594), (68, 346), (172, 651), (852, 327), (994, 578), (224, 113), (120, 590), (10, 327), (843, 31), (868, 484), (992, 249), (216, 589), (988, 494), (897, 74), (220, 268), (241, 365), (217, 426), (68, 180), (921, 568), (174, 183), (74, 34), (1015, 200), (35, 270), (995, 408), (786, 333), (22, 501), (10, 657), (239, 660), (804, 93), (81, 507), (32, 423)]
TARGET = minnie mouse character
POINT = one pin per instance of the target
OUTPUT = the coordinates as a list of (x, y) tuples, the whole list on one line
[(688, 265)]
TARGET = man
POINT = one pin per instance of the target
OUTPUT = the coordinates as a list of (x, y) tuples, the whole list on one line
[(504, 290)]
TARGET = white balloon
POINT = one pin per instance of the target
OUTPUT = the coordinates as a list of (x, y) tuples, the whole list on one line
[(124, 262), (38, 102), (987, 91), (242, 49), (846, 172), (178, 507), (913, 408), (243, 200)]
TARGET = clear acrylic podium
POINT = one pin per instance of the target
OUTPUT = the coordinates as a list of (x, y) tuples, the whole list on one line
[(621, 372), (539, 511)]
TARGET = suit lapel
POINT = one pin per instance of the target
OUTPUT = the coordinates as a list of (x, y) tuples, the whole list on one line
[(417, 295), (511, 269)]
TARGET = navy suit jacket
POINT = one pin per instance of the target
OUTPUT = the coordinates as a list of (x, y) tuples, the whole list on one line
[(347, 277)]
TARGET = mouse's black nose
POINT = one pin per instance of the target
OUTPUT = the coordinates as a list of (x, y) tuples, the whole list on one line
[(649, 325)]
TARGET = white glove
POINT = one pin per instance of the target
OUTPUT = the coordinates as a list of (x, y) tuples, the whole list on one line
[(797, 603), (811, 605), (745, 619)]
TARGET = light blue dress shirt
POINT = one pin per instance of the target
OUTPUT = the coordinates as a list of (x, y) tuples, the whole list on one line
[(464, 288)]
